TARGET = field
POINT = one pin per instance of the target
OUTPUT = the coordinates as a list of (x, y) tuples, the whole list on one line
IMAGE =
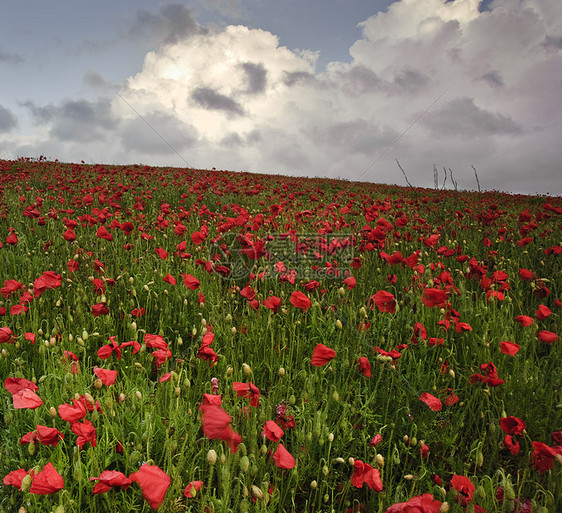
[(210, 341)]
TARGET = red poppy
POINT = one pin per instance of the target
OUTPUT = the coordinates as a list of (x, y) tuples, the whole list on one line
[(45, 435), (86, 433), (434, 297), (547, 336), (69, 235), (212, 399), (419, 504), (384, 301), (524, 320), (216, 424), (72, 413), (106, 351), (11, 286), (526, 275), (247, 390), (107, 376), (350, 282), (47, 481), (363, 366), (155, 341), (248, 292), (6, 335), (272, 302), (272, 431), (376, 440), (283, 458), (138, 312), (26, 399), (14, 385), (300, 300), (99, 309), (511, 444), (12, 239), (543, 456), (364, 473), (192, 488), (153, 482), (190, 281), (322, 355), (15, 477), (169, 279), (432, 401), (512, 425), (162, 253), (509, 348), (464, 486), (102, 233), (109, 478), (543, 312)]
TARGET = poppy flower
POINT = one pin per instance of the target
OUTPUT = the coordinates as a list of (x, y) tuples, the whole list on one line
[(464, 486), (109, 478), (86, 433), (106, 351), (11, 286), (543, 456), (14, 385), (524, 320), (322, 355), (26, 399), (72, 413), (283, 458), (511, 444), (102, 233), (376, 440), (432, 401), (272, 302), (272, 431), (350, 282), (509, 348), (547, 336), (12, 239), (384, 301), (212, 399), (434, 297), (424, 503), (107, 376), (44, 434), (364, 473), (162, 253), (153, 482), (47, 481), (15, 477), (138, 312), (363, 366), (192, 488), (300, 300), (526, 275), (6, 335), (99, 309), (216, 424), (543, 312), (190, 281), (169, 279), (247, 390)]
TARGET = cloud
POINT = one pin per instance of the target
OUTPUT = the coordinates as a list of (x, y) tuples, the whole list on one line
[(210, 99), (173, 23), (7, 120), (429, 82), (461, 117), (9, 57)]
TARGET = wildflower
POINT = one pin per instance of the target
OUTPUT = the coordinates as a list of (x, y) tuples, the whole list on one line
[(153, 482), (322, 355)]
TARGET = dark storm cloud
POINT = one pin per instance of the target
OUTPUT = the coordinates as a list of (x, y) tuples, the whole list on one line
[(75, 120), (173, 23), (356, 136), (209, 99), (553, 42), (157, 134), (257, 77), (461, 117), (410, 80), (297, 77), (7, 120), (359, 80), (235, 140), (492, 78), (10, 58)]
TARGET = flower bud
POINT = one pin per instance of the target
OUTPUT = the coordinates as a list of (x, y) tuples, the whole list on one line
[(313, 484), (339, 325), (379, 460), (408, 477), (212, 456), (244, 464), (26, 483), (444, 507), (246, 369), (257, 493), (98, 384)]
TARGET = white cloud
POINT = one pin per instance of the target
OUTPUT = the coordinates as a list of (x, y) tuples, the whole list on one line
[(233, 98)]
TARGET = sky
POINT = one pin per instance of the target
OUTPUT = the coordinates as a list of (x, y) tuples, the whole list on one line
[(351, 89)]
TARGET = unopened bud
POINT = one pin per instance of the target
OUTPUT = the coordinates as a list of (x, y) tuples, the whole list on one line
[(53, 412), (380, 460), (444, 507), (313, 484), (246, 369), (257, 493), (212, 456)]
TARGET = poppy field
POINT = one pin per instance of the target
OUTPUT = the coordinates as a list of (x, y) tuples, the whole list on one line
[(210, 341)]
